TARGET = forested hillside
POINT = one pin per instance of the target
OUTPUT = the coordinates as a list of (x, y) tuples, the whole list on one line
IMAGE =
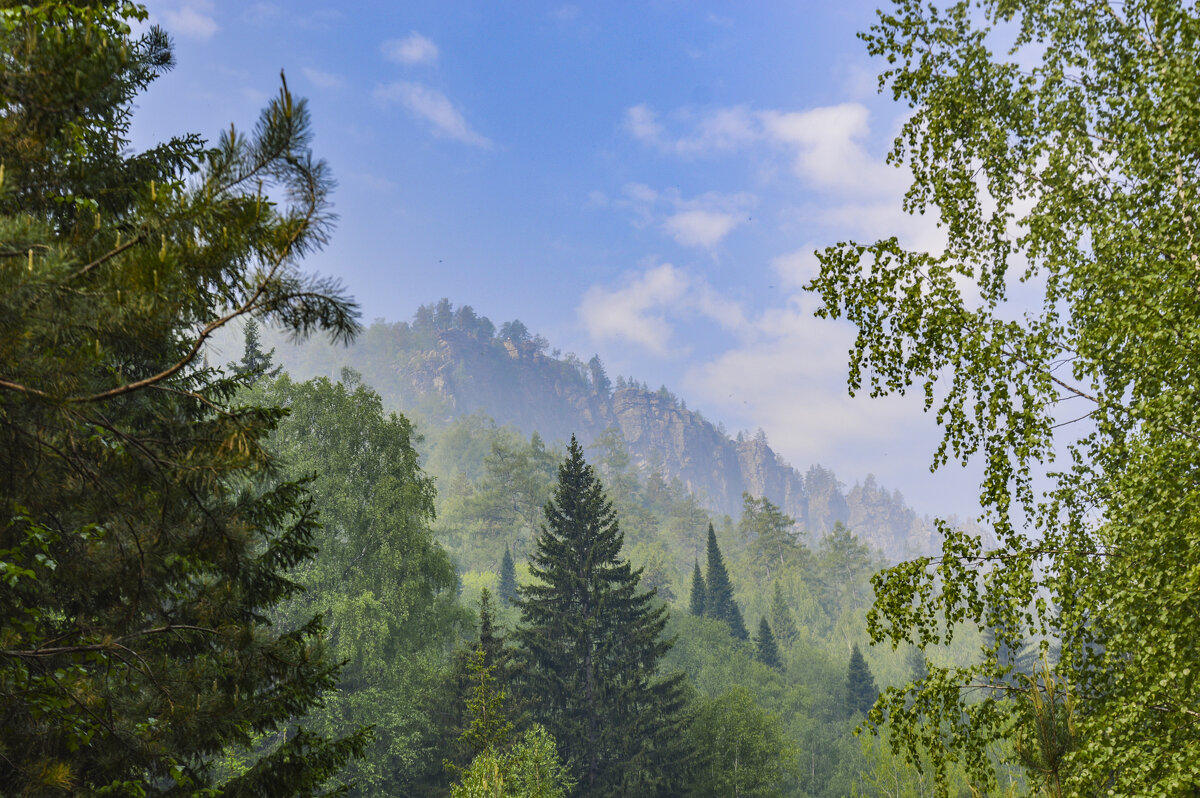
[(764, 629), (767, 619), (258, 577), (450, 362)]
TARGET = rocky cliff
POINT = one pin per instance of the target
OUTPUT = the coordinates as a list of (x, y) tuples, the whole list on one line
[(450, 362)]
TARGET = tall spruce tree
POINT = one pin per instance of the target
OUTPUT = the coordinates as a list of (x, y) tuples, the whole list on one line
[(782, 621), (592, 643), (765, 647), (719, 603), (699, 592), (508, 579), (145, 531), (861, 690)]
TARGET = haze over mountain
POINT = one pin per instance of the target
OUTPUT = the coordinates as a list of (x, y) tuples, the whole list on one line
[(449, 362)]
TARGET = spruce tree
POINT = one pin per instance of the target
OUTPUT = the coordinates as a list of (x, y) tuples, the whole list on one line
[(699, 592), (765, 647), (508, 579), (861, 691), (781, 618), (918, 665), (255, 363), (489, 652), (592, 644), (719, 603)]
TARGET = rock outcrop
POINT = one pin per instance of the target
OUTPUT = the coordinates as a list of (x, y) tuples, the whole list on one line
[(443, 371)]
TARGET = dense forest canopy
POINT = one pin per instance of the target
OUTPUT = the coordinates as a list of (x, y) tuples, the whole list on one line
[(233, 580)]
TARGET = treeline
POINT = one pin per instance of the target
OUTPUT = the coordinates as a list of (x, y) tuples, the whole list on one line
[(811, 597), (452, 600), (763, 629), (216, 580)]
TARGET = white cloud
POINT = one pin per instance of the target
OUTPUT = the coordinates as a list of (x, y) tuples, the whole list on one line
[(634, 313), (722, 129), (829, 153), (796, 268), (701, 221), (826, 144), (435, 108), (323, 80), (643, 124), (412, 49), (642, 311), (192, 19), (789, 377), (699, 228)]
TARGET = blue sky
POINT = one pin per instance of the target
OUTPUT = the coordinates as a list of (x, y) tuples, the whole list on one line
[(646, 181)]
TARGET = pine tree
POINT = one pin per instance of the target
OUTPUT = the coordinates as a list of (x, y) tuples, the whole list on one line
[(488, 725), (699, 592), (255, 363), (765, 647), (719, 603), (592, 643), (861, 691), (147, 534), (781, 618), (508, 579), (489, 651)]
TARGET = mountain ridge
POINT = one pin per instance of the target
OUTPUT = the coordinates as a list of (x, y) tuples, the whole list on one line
[(449, 362)]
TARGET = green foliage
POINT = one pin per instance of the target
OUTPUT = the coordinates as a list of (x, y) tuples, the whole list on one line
[(383, 586), (861, 690), (740, 747), (487, 725), (592, 642), (782, 621), (508, 578), (1056, 141), (255, 363), (499, 505), (765, 647), (769, 535), (531, 769), (1046, 734), (699, 592), (145, 533), (718, 599)]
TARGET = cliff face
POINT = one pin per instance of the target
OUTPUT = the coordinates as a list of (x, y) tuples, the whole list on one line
[(445, 373)]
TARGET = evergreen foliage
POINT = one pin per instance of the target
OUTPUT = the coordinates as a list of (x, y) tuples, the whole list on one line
[(861, 691), (532, 769), (487, 724), (782, 620), (255, 363), (146, 535), (453, 716), (592, 643), (765, 646), (718, 600), (508, 579), (699, 592), (773, 545), (918, 665), (1012, 656)]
